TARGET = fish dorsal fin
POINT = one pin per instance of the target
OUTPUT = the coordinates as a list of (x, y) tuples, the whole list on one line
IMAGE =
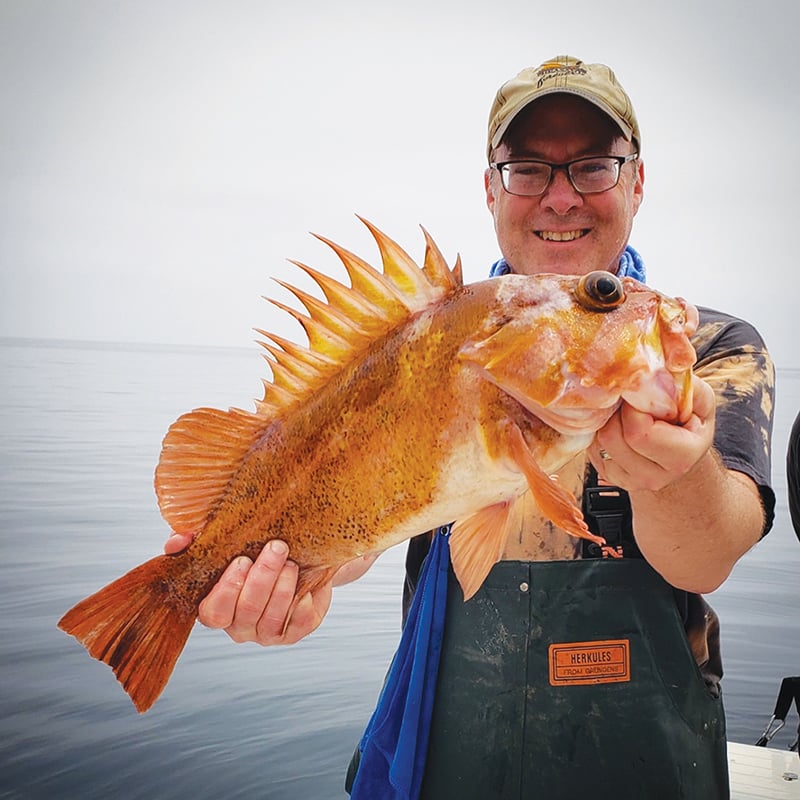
[(200, 453), (204, 448), (343, 326)]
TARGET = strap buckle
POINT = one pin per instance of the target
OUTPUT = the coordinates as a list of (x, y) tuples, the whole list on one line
[(607, 511)]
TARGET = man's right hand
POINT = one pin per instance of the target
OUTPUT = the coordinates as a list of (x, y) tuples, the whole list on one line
[(252, 599)]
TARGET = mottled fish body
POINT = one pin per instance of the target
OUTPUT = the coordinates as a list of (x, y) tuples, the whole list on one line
[(418, 401)]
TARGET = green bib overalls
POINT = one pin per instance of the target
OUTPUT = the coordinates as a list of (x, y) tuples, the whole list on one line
[(572, 679)]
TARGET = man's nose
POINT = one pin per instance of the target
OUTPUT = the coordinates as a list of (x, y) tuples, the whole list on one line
[(561, 196)]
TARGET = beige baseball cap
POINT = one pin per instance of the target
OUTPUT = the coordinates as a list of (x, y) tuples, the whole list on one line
[(593, 82)]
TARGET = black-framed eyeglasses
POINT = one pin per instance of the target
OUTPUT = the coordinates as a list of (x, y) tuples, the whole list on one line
[(588, 175)]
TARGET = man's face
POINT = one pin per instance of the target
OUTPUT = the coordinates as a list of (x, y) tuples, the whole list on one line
[(561, 230)]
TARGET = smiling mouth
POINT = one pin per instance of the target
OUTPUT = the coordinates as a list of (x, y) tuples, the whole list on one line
[(562, 236)]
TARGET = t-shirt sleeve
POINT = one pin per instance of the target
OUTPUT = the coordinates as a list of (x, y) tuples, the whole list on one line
[(733, 359)]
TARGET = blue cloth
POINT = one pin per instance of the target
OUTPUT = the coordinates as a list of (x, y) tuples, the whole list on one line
[(631, 265), (395, 743)]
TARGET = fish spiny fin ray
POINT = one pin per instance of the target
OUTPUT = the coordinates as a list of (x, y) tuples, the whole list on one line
[(203, 450), (370, 284), (359, 309), (282, 377), (200, 454), (321, 338), (401, 269), (328, 315), (307, 365), (435, 267), (297, 369), (344, 325)]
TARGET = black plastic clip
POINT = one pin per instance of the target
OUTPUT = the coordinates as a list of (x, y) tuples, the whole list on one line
[(607, 511)]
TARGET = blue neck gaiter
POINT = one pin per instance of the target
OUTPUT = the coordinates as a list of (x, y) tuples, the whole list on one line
[(631, 265)]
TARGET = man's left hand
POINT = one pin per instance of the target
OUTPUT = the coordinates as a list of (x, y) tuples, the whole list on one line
[(637, 451)]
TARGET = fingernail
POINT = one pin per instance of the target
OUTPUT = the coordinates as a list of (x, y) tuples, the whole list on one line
[(241, 565), (278, 547)]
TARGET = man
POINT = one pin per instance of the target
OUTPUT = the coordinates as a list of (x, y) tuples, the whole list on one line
[(506, 722), (793, 475)]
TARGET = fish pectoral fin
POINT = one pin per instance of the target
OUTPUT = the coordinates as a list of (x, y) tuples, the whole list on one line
[(477, 543), (311, 578), (200, 454), (554, 501)]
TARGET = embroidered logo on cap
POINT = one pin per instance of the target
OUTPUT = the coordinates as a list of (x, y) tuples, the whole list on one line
[(555, 69), (607, 661)]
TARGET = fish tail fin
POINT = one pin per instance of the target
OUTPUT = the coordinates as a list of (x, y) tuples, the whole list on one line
[(138, 625)]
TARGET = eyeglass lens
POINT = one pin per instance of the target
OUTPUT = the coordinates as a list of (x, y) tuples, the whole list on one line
[(587, 175)]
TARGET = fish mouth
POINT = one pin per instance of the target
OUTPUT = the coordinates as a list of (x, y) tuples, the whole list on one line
[(562, 236)]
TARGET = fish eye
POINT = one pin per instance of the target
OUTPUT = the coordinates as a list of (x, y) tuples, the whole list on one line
[(599, 291)]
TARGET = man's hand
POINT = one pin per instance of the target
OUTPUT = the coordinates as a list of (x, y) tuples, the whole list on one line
[(636, 451), (252, 601), (693, 517)]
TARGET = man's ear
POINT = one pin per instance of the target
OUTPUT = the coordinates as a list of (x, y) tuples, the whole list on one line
[(638, 187), (487, 183)]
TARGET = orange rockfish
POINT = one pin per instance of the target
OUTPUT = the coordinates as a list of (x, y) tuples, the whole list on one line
[(418, 401)]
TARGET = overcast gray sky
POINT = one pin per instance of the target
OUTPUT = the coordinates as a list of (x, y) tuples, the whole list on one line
[(159, 161)]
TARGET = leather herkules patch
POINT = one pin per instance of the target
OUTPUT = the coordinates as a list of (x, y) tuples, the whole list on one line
[(607, 661)]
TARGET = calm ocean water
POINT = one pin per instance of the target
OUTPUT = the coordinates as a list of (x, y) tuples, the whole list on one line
[(80, 433)]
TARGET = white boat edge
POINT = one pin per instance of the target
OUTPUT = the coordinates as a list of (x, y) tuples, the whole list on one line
[(763, 773)]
